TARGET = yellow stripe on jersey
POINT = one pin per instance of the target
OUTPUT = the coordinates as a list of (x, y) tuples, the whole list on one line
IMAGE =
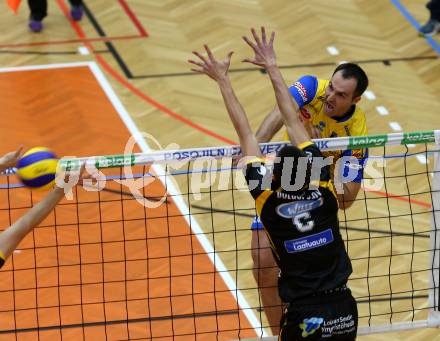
[(274, 249), (304, 145), (2, 259), (256, 159), (261, 200)]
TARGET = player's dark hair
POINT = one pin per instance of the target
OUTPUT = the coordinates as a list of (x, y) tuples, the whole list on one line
[(351, 70), (289, 154)]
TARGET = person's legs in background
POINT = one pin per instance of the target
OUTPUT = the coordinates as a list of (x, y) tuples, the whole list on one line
[(76, 10), (432, 26), (38, 10)]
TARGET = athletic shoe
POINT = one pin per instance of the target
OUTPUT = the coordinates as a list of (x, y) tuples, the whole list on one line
[(76, 13), (35, 25), (430, 28)]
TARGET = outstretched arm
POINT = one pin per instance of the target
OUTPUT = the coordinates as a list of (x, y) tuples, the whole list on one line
[(13, 235), (271, 124), (218, 71), (10, 159), (265, 57)]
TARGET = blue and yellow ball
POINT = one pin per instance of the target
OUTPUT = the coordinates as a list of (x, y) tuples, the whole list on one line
[(37, 168)]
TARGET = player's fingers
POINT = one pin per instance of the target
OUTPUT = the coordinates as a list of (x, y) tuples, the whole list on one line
[(200, 56), (198, 71), (228, 57), (251, 61), (263, 35), (208, 51), (195, 63), (256, 37), (251, 44), (19, 151), (272, 37)]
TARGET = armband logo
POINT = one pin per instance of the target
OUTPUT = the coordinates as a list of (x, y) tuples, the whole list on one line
[(301, 90)]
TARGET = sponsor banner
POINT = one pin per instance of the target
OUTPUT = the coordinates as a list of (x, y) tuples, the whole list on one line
[(69, 164), (356, 142), (309, 242), (418, 137), (340, 143), (114, 161)]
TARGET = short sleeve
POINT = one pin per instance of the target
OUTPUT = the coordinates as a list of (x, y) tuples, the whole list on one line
[(304, 90), (258, 177)]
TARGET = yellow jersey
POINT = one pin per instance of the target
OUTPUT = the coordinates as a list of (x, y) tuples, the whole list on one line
[(309, 94)]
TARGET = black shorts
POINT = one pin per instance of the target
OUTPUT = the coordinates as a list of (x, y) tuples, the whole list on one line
[(331, 316)]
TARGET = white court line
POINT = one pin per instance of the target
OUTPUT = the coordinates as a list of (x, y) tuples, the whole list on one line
[(382, 110), (83, 50), (332, 50), (370, 95), (177, 198), (45, 67), (395, 126), (422, 159)]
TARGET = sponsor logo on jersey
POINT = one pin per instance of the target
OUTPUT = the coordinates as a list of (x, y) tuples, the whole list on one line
[(305, 113), (309, 242), (338, 326), (293, 208), (310, 325), (301, 90)]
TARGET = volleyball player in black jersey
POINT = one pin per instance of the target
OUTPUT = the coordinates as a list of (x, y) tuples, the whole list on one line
[(300, 215)]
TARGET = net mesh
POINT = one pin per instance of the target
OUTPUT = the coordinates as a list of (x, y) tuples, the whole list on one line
[(171, 260)]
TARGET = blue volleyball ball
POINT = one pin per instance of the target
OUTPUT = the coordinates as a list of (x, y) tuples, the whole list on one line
[(37, 168)]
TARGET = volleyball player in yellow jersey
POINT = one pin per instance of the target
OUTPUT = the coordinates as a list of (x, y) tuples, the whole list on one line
[(328, 109)]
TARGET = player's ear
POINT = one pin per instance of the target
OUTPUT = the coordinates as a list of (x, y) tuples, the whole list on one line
[(356, 99)]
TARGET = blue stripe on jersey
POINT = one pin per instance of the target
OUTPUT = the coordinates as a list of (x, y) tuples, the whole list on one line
[(304, 90), (34, 157), (40, 181)]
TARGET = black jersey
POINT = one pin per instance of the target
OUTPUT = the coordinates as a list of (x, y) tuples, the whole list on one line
[(303, 230)]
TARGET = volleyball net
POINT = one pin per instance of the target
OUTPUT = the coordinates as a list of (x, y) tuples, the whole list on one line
[(159, 248)]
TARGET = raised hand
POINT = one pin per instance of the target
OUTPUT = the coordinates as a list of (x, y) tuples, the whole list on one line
[(210, 66), (10, 159), (263, 50)]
